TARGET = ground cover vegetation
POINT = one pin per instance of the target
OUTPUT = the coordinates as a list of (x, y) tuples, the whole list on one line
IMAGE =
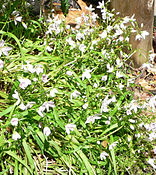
[(66, 96)]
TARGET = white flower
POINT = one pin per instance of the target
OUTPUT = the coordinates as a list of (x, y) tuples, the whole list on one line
[(48, 48), (152, 102), (104, 108), (151, 162), (147, 126), (138, 37), (85, 106), (95, 85), (141, 124), (109, 28), (24, 25), (134, 106), (104, 78), (44, 78), (86, 74), (16, 96), (103, 155), (112, 145), (132, 121), (67, 27), (71, 42), (16, 136), (121, 86), (128, 19), (154, 150), (105, 103), (53, 92), (90, 8), (1, 64), (48, 104), (46, 131), (107, 122), (70, 127), (113, 99), (3, 49), (152, 56), (94, 42), (92, 118), (98, 142), (22, 106), (144, 34), (128, 112), (39, 69), (118, 62), (25, 107), (17, 18), (30, 104), (74, 94), (118, 32), (103, 34), (29, 67), (152, 136), (101, 5), (119, 74), (132, 127), (94, 16), (35, 79), (24, 82), (14, 121), (69, 73), (129, 138), (78, 20), (110, 69), (82, 48), (41, 110), (138, 135), (45, 106), (79, 36), (130, 81)]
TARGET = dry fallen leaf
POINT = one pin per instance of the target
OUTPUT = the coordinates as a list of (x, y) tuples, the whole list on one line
[(104, 143)]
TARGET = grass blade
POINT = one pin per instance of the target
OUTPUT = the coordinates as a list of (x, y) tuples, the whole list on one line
[(6, 111), (113, 156), (16, 168), (28, 153), (12, 154)]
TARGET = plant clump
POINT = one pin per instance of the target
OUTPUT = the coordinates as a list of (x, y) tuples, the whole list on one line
[(66, 96)]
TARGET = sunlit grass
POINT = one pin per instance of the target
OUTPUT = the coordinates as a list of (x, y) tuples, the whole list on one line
[(65, 99)]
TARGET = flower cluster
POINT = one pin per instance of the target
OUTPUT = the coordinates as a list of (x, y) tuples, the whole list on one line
[(70, 93)]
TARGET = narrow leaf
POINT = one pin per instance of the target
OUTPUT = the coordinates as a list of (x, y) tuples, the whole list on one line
[(12, 154)]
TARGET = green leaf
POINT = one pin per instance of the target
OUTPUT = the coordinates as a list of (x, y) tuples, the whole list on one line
[(2, 140), (59, 122), (37, 139), (113, 156), (12, 154), (6, 111), (55, 145), (14, 37), (3, 95), (74, 143), (109, 129), (16, 168), (118, 104), (28, 153)]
